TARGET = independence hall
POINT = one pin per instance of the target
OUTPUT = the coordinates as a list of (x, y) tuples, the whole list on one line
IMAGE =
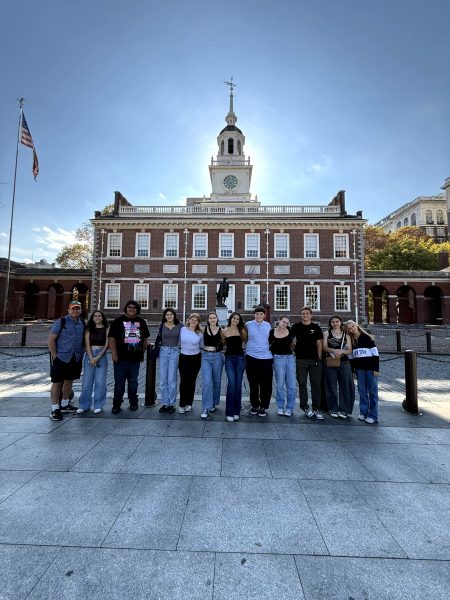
[(285, 256)]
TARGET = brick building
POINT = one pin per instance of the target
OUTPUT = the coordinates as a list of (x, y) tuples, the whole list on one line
[(285, 256)]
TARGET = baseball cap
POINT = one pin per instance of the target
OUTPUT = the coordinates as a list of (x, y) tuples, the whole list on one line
[(74, 303)]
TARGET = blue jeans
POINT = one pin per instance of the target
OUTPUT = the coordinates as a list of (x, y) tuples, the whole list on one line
[(212, 367), (234, 367), (285, 380), (341, 376), (168, 374), (126, 371), (94, 377), (368, 393)]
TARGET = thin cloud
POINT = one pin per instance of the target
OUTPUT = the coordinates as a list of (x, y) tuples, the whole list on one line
[(53, 239)]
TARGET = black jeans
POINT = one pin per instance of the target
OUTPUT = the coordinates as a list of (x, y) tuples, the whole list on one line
[(259, 375), (189, 366)]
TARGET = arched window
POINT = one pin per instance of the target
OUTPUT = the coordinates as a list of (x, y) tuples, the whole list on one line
[(222, 147), (239, 146), (230, 146), (439, 217), (429, 217), (413, 219), (399, 224), (405, 222)]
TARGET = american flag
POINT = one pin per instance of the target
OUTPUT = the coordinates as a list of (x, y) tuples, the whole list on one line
[(27, 140)]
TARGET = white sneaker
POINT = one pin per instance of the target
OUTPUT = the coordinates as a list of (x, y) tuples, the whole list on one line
[(213, 409), (361, 418), (236, 417), (188, 408), (288, 412), (318, 415), (230, 419), (181, 410), (343, 415), (309, 413), (334, 414), (370, 420), (80, 411), (204, 414), (97, 411), (280, 412)]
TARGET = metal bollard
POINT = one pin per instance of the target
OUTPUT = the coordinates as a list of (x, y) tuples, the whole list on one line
[(410, 403), (150, 381), (23, 341), (398, 337), (428, 336)]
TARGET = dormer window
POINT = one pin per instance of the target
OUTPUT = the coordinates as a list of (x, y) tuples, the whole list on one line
[(230, 146)]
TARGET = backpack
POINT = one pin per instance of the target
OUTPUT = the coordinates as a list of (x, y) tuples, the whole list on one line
[(63, 326)]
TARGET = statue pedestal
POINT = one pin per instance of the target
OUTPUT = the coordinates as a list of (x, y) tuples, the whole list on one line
[(222, 315)]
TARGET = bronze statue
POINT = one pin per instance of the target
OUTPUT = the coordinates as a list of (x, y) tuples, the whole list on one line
[(222, 292)]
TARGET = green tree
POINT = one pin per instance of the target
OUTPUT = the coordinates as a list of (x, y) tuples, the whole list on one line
[(80, 254)]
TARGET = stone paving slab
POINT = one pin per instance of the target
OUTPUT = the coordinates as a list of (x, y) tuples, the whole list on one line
[(372, 579), (11, 481), (244, 458)]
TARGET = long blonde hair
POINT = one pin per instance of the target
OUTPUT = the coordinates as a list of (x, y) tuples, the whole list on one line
[(197, 329), (360, 329)]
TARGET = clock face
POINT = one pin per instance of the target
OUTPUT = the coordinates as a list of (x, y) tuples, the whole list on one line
[(230, 182)]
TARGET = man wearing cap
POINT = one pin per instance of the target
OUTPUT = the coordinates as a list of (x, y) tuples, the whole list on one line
[(65, 342), (128, 337)]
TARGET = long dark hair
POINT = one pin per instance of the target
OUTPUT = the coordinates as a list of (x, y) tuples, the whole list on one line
[(329, 324), (175, 318), (240, 325), (91, 325)]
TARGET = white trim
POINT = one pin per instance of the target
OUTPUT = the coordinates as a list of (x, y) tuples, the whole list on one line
[(317, 249), (166, 237), (143, 300), (248, 248), (221, 235), (194, 249), (164, 295), (336, 249), (275, 249), (136, 249), (305, 300), (108, 286), (257, 296), (205, 288), (349, 307), (288, 297), (119, 248)]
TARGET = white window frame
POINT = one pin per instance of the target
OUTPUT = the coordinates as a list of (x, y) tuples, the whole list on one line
[(337, 248), (307, 248), (278, 307), (337, 289), (314, 306), (279, 251), (200, 251), (252, 245), (203, 289), (222, 236), (252, 295), (115, 304), (440, 217), (167, 237), (141, 294), (429, 217), (114, 250), (168, 289), (144, 251)]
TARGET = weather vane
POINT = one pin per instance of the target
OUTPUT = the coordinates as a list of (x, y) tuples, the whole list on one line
[(231, 84)]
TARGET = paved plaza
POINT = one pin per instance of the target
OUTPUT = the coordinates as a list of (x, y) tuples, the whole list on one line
[(144, 505)]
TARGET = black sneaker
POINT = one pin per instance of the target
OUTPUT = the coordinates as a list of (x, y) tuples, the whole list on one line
[(56, 415), (253, 411), (262, 412), (164, 408), (70, 408), (134, 406), (116, 410), (171, 409)]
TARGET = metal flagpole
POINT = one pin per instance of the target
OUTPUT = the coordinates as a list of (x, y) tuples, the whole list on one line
[(5, 302)]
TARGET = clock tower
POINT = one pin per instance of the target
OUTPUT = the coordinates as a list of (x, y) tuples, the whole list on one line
[(230, 172)]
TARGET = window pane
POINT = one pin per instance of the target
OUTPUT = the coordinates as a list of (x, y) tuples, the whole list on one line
[(115, 244), (311, 241), (281, 297), (171, 240), (141, 294), (281, 245), (112, 295), (226, 245), (170, 295), (252, 245), (199, 297), (312, 298), (252, 295), (341, 245), (342, 297), (200, 245), (143, 244)]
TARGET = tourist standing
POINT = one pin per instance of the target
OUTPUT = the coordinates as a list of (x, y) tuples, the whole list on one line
[(308, 351), (169, 353), (365, 362), (280, 343), (65, 342), (212, 364), (190, 361), (259, 363), (338, 346), (95, 364), (235, 337), (128, 337)]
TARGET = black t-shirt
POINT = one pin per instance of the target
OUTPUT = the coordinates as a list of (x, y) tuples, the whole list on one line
[(306, 337), (129, 334)]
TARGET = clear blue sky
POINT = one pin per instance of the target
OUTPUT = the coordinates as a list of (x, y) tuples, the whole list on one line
[(129, 96)]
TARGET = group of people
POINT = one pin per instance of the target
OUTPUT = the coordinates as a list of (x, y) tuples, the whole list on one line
[(293, 354)]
